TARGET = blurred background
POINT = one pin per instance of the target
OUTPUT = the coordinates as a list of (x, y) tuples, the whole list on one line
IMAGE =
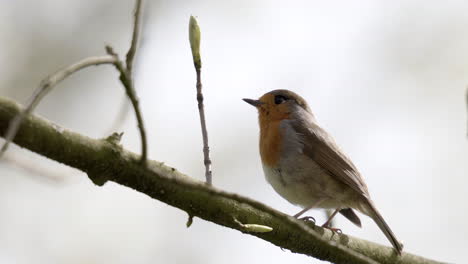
[(386, 78)]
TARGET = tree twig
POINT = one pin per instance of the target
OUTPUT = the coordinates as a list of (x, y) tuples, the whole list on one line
[(45, 87), (127, 82), (126, 77), (135, 37), (105, 160), (194, 37)]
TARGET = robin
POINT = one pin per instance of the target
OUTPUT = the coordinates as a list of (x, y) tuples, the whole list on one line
[(305, 166)]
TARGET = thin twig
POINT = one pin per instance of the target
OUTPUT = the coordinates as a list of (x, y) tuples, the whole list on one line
[(126, 77), (130, 58), (194, 37), (46, 86), (206, 148), (127, 82), (135, 37)]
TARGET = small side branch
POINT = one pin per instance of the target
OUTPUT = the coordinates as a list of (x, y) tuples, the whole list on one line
[(194, 37), (206, 148), (45, 87), (135, 36), (126, 77), (127, 82)]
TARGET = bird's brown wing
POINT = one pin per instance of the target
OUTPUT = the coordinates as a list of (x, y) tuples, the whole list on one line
[(321, 147)]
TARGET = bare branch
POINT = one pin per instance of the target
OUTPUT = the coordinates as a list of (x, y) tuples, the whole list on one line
[(130, 58), (127, 82), (45, 87), (206, 148), (105, 160), (126, 77), (135, 37), (194, 37)]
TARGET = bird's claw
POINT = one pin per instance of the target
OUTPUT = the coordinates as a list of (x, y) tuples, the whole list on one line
[(333, 229)]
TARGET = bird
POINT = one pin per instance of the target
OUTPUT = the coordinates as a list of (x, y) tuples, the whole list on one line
[(304, 164)]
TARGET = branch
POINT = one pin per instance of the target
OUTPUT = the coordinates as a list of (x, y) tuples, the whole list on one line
[(45, 87), (105, 160), (127, 81), (126, 77), (194, 37), (135, 37), (129, 61)]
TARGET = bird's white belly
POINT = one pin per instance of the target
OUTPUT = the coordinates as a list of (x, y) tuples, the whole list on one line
[(305, 185)]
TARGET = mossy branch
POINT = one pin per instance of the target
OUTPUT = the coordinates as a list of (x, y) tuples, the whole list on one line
[(105, 160)]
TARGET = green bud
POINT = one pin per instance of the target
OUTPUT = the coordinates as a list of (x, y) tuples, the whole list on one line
[(194, 37), (257, 228), (254, 228)]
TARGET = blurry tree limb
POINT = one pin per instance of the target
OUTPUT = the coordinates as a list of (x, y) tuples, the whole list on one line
[(127, 81), (129, 61), (466, 101), (194, 38), (45, 87), (126, 76), (135, 36), (33, 169), (105, 160)]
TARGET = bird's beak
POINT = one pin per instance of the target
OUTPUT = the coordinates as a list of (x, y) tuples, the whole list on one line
[(253, 102)]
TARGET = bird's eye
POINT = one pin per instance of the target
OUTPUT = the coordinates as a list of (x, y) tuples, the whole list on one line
[(279, 99)]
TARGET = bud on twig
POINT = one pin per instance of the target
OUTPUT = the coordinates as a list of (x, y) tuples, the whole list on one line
[(194, 37)]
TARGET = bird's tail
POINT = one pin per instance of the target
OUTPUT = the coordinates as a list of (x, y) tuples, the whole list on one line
[(379, 220), (351, 215)]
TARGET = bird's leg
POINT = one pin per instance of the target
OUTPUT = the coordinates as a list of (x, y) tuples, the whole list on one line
[(302, 211), (330, 218), (308, 218), (327, 223)]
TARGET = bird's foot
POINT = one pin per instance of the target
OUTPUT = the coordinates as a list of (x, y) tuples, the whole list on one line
[(333, 229)]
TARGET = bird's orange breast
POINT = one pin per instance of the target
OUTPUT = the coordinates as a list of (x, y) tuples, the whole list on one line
[(270, 142)]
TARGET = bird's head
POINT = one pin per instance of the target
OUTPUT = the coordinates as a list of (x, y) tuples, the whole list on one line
[(278, 105)]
